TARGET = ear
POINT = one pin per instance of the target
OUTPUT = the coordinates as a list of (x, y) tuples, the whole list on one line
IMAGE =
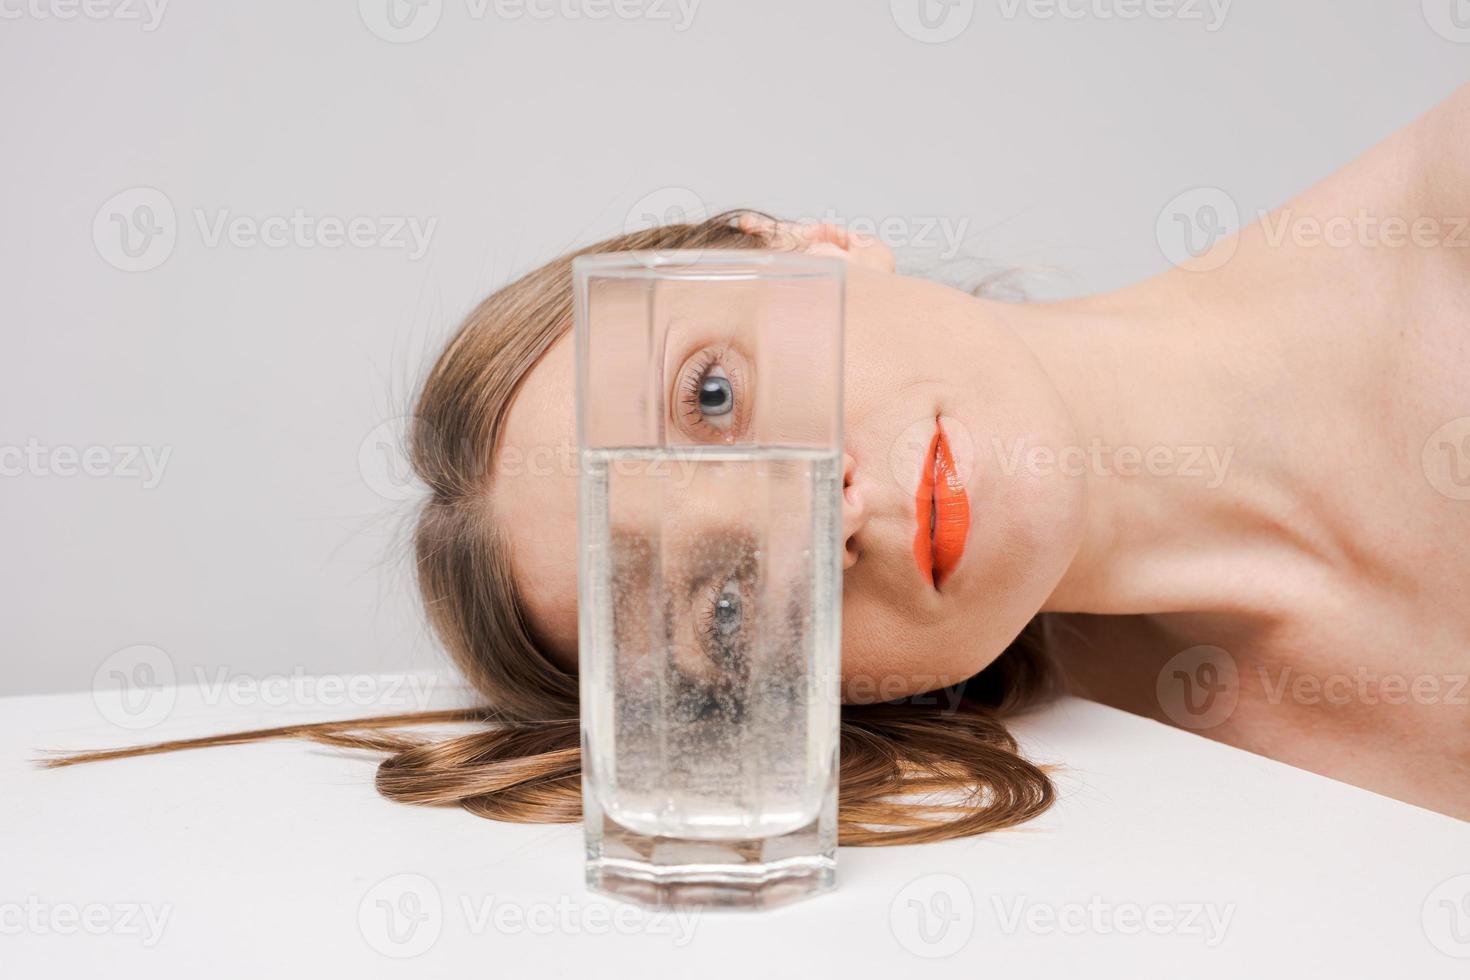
[(820, 239)]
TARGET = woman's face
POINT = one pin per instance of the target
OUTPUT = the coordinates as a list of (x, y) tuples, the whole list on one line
[(920, 358)]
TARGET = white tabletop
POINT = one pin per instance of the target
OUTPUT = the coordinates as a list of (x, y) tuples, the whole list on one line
[(1167, 854)]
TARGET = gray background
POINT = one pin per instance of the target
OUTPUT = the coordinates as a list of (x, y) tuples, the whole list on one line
[(273, 542)]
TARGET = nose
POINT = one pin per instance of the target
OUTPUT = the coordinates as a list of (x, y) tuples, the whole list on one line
[(854, 514)]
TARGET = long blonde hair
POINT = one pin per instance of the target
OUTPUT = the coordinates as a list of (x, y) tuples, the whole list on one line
[(923, 770)]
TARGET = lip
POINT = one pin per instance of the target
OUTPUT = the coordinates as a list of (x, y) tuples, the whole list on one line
[(943, 512)]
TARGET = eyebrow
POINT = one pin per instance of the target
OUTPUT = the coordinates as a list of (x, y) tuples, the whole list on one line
[(714, 552), (697, 557), (717, 550)]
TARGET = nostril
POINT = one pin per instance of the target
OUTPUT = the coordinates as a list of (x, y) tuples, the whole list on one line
[(853, 519), (848, 466)]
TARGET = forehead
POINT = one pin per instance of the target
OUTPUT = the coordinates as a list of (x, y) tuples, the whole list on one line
[(535, 497)]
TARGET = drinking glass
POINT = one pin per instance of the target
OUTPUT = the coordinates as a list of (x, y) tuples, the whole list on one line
[(709, 428)]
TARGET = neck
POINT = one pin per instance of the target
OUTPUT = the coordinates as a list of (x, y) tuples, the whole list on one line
[(1190, 506)]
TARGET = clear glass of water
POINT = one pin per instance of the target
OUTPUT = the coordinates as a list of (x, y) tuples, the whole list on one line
[(709, 426)]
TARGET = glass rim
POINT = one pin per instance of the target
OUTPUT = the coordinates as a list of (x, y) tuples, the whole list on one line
[(730, 264)]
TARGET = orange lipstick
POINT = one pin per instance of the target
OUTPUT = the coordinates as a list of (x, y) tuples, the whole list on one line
[(943, 510)]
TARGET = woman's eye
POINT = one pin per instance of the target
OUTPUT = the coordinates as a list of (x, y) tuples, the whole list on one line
[(709, 395), (728, 613)]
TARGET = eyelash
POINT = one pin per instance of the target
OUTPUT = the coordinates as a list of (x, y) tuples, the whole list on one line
[(689, 393)]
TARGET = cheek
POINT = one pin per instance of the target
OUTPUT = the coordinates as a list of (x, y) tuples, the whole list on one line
[(875, 375)]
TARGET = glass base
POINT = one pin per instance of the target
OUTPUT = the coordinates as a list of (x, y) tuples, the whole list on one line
[(667, 873)]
